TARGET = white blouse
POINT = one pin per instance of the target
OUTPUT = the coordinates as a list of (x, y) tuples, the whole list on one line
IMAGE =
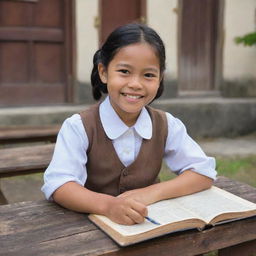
[(69, 158)]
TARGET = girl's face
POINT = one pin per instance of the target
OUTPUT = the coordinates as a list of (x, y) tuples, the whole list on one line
[(132, 78)]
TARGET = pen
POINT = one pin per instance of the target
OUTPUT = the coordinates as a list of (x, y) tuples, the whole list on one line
[(152, 220)]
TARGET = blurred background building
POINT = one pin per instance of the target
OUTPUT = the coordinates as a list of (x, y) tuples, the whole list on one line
[(46, 51), (47, 46)]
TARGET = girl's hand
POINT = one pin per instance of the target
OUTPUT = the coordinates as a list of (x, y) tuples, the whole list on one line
[(142, 195), (126, 211)]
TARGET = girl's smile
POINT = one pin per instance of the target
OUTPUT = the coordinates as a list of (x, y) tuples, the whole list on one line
[(132, 79), (132, 97)]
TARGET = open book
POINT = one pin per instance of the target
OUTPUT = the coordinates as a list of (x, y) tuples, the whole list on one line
[(209, 207)]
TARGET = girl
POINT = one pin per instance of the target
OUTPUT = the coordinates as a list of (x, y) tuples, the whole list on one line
[(107, 159)]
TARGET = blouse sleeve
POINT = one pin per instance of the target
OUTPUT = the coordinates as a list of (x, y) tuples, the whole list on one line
[(183, 153), (69, 158)]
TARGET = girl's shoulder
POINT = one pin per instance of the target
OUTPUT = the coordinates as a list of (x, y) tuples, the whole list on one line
[(72, 125), (155, 112), (72, 121), (174, 124), (167, 115)]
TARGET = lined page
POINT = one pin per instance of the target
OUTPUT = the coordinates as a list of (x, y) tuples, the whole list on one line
[(213, 202)]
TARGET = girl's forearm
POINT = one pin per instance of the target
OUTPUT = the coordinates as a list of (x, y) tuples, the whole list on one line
[(186, 183), (77, 198), (121, 210)]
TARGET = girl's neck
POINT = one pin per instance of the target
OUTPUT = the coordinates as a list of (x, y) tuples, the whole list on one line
[(128, 118)]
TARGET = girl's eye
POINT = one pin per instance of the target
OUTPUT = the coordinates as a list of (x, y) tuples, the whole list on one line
[(124, 71), (150, 75)]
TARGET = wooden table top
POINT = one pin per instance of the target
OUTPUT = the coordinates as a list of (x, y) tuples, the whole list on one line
[(44, 228)]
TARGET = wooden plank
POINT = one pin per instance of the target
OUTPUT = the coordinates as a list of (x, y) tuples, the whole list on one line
[(114, 13), (38, 230), (32, 1), (198, 37), (28, 29), (24, 160), (43, 224), (179, 244), (44, 228), (52, 93), (243, 249), (3, 199), (238, 188), (17, 134), (31, 34)]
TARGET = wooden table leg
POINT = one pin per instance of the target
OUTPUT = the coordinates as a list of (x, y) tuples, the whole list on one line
[(3, 200), (243, 249)]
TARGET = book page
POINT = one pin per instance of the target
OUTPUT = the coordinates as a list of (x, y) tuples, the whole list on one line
[(164, 212), (213, 202), (203, 205)]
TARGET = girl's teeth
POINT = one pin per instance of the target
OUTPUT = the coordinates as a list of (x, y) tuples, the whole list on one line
[(132, 96)]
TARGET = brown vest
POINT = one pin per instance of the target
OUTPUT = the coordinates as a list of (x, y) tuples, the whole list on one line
[(106, 173)]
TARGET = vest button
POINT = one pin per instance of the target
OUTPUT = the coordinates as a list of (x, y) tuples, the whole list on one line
[(122, 190), (125, 172)]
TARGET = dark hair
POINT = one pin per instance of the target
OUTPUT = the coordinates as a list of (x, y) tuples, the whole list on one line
[(121, 37)]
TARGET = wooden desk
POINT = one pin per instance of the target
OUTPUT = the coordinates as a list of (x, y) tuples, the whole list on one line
[(44, 228)]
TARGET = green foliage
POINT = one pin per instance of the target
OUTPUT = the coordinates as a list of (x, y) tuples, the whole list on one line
[(239, 168), (247, 40), (227, 166)]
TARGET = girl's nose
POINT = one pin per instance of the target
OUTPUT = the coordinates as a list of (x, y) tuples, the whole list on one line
[(135, 83)]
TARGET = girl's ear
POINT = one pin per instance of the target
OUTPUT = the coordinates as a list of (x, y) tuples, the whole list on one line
[(102, 73)]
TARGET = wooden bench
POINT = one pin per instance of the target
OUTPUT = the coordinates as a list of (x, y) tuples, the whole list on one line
[(24, 160), (17, 159), (24, 134), (44, 228)]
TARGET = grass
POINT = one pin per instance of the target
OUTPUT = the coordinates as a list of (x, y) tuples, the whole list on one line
[(241, 169)]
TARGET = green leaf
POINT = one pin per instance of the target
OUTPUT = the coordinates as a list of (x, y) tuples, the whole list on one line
[(247, 40)]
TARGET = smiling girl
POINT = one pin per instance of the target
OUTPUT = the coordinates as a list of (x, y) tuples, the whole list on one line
[(108, 157)]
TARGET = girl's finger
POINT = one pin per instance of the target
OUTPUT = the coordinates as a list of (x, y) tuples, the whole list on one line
[(135, 216), (140, 208)]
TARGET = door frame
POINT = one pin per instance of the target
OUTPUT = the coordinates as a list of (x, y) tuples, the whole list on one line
[(217, 63), (143, 17), (70, 49)]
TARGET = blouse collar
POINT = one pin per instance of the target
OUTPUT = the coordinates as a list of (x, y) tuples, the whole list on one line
[(114, 127)]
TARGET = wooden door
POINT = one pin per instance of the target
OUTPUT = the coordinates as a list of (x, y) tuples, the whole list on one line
[(198, 37), (35, 51), (115, 13)]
